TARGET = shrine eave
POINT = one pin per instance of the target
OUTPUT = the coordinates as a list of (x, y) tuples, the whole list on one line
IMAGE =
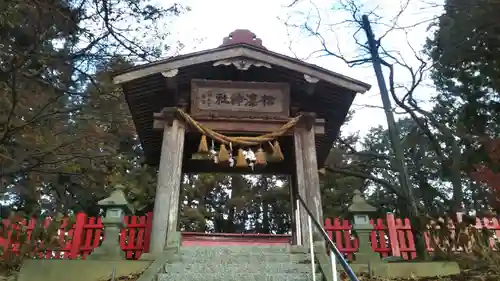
[(241, 51), (167, 83)]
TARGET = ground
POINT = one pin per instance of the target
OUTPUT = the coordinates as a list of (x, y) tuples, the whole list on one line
[(466, 275), (474, 268)]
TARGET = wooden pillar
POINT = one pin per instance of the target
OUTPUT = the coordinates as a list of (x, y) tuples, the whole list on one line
[(307, 173), (300, 184), (310, 163), (293, 204), (173, 216), (166, 206)]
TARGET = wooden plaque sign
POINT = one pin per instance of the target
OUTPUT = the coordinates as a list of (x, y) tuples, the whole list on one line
[(213, 98)]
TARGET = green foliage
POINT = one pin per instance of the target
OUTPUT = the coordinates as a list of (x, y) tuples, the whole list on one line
[(467, 64), (464, 51), (337, 189), (235, 204), (65, 129), (467, 245), (423, 166)]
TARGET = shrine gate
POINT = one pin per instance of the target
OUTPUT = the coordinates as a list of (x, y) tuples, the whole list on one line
[(237, 108)]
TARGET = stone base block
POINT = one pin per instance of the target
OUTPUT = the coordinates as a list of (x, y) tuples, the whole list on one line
[(77, 270), (409, 269)]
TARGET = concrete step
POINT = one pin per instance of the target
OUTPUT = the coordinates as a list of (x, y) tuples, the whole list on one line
[(244, 257), (236, 250), (213, 268), (229, 276), (242, 254)]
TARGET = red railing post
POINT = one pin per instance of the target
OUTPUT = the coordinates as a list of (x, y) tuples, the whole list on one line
[(77, 238), (393, 235)]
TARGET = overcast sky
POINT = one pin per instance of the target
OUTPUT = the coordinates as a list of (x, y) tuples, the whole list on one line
[(213, 20)]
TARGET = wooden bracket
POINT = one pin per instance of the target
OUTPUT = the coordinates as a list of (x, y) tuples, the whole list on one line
[(166, 116), (182, 103), (311, 86), (171, 83), (170, 79), (308, 119), (294, 110)]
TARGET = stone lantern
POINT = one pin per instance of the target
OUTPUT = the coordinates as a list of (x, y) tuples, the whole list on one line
[(115, 206), (361, 212)]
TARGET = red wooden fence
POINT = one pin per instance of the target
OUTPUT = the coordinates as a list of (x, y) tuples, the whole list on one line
[(391, 236), (85, 235)]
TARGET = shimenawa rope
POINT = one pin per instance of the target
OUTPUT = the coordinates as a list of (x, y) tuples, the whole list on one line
[(242, 141)]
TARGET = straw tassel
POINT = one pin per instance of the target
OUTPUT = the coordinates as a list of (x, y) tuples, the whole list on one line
[(241, 162), (277, 155), (260, 158), (223, 156), (203, 147)]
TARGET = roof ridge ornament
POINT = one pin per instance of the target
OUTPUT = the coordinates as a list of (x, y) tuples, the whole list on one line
[(242, 63), (242, 36)]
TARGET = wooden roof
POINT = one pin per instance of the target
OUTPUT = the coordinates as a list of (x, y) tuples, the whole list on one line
[(149, 88)]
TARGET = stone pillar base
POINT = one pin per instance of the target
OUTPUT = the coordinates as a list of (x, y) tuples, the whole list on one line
[(148, 257), (108, 254), (367, 258)]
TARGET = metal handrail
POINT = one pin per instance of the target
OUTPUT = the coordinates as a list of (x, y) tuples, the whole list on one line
[(337, 254)]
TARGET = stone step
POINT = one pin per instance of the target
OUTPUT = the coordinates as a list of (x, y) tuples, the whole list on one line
[(244, 257), (213, 268), (229, 276), (236, 250)]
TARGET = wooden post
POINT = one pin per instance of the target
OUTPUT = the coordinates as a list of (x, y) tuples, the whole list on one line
[(293, 204), (176, 167), (307, 172), (300, 184), (310, 163), (166, 207)]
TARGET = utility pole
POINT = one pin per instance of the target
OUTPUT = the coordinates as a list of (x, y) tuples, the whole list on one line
[(398, 159)]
